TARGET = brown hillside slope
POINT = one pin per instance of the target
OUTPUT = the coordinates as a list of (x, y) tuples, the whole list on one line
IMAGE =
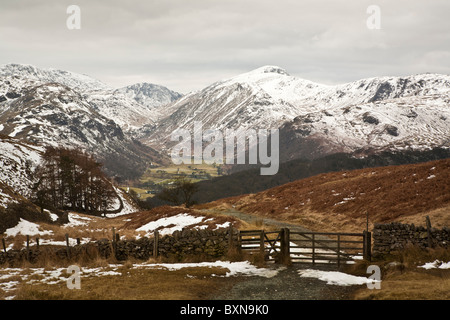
[(338, 201)]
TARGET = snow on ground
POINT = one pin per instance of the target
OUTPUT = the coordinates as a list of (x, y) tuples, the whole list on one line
[(5, 199), (241, 268), (25, 227), (176, 223), (128, 207), (436, 265), (76, 220), (60, 275), (335, 277)]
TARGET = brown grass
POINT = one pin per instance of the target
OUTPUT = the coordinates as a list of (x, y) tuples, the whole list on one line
[(338, 201), (135, 284), (402, 279)]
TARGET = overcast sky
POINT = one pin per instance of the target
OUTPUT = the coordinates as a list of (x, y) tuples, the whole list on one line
[(188, 44)]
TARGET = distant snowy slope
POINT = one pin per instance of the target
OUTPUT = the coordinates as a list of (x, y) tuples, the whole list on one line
[(409, 123), (18, 160), (338, 116), (130, 107), (52, 113), (149, 95), (31, 73)]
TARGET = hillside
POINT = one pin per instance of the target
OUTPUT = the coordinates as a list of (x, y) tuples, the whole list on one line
[(59, 108), (250, 181), (365, 116), (338, 201)]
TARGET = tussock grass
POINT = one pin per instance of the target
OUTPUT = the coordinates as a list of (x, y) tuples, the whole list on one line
[(402, 279), (135, 284), (337, 201)]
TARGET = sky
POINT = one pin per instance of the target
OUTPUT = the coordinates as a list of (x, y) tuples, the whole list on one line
[(187, 45)]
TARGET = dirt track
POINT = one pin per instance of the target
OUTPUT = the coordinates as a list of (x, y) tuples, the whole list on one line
[(256, 219), (287, 284)]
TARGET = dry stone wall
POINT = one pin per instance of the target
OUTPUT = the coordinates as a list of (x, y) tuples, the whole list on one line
[(207, 244), (179, 245), (392, 237)]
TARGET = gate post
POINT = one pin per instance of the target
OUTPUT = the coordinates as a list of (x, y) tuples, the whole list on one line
[(367, 245), (285, 246), (261, 242), (155, 244)]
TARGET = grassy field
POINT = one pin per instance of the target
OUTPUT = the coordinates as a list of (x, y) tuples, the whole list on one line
[(154, 179)]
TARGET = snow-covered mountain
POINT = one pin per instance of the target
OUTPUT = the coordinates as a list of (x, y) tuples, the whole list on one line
[(129, 107), (410, 111), (20, 73), (41, 107), (149, 95), (133, 106), (406, 123)]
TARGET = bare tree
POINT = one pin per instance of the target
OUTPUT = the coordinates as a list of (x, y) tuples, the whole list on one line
[(73, 179), (182, 191)]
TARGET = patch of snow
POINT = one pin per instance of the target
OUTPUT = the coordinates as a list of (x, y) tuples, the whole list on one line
[(436, 265), (223, 225), (177, 222), (239, 268), (25, 227), (335, 277), (76, 220), (59, 275)]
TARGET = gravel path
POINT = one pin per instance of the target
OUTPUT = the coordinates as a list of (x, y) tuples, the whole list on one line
[(287, 284)]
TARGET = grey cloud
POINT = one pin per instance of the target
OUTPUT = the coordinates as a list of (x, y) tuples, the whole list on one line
[(186, 45)]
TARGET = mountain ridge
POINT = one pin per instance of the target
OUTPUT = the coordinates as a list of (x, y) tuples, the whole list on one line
[(45, 110), (268, 97)]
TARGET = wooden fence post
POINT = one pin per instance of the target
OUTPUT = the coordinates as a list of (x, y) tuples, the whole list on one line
[(231, 243), (155, 244), (313, 249), (67, 245), (367, 245), (429, 236), (114, 241), (28, 247), (37, 243), (261, 242), (4, 244), (339, 250)]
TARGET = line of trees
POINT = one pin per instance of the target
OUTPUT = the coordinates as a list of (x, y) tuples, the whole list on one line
[(72, 179)]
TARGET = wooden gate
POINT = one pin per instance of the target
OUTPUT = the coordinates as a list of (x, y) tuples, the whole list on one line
[(286, 246), (329, 247)]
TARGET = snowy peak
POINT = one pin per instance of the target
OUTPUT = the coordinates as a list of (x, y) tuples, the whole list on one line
[(383, 88), (149, 95), (130, 107), (70, 79), (59, 108), (269, 69), (412, 111)]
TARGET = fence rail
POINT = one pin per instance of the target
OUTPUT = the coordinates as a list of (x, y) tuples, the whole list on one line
[(307, 247)]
